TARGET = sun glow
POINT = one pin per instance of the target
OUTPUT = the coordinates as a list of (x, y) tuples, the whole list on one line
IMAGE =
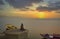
[(41, 15), (47, 14)]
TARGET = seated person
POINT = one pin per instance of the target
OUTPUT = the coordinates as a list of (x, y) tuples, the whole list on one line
[(22, 28)]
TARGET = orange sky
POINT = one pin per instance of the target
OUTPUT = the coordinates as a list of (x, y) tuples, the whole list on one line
[(34, 14), (31, 14)]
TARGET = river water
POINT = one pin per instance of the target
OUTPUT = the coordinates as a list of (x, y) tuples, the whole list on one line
[(35, 26)]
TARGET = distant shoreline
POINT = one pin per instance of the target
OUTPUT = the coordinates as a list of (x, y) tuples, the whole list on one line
[(30, 18)]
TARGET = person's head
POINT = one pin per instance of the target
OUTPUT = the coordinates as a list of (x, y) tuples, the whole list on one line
[(21, 24)]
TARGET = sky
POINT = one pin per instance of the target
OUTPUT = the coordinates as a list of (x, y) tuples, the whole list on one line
[(30, 8)]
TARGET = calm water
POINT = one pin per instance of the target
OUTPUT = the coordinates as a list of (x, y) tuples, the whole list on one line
[(35, 26)]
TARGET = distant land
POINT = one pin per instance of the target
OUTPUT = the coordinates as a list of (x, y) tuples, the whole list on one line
[(30, 18)]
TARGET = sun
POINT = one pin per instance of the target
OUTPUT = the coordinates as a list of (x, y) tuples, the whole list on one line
[(41, 15)]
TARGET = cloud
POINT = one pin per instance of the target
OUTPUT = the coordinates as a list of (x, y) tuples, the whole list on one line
[(51, 7), (1, 2), (21, 4), (58, 11), (1, 5)]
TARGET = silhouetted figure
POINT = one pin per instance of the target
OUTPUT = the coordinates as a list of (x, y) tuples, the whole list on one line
[(22, 28)]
